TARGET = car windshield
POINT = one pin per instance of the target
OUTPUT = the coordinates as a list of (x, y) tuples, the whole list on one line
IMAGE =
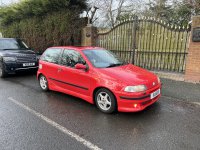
[(12, 44), (103, 58)]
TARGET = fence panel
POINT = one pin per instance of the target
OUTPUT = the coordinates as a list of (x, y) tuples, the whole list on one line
[(148, 43)]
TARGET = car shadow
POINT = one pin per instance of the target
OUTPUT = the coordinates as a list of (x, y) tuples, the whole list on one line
[(68, 108), (81, 106), (22, 74)]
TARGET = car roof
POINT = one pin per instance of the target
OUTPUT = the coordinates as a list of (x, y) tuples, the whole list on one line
[(11, 39), (8, 38), (79, 48)]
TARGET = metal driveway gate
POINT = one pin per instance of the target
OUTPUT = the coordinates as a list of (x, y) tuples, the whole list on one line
[(148, 43)]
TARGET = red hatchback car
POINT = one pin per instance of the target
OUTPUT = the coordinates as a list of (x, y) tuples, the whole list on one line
[(99, 77)]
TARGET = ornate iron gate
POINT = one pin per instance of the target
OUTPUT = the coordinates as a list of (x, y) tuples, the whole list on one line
[(148, 43)]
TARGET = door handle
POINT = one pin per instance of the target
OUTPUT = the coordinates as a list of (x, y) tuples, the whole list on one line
[(59, 69)]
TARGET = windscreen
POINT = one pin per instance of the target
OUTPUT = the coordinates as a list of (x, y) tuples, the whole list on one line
[(12, 44), (101, 58)]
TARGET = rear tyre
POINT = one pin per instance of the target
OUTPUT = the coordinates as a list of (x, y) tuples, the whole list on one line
[(105, 101), (2, 71), (43, 83)]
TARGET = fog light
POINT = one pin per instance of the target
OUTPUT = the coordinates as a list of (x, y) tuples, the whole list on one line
[(135, 105)]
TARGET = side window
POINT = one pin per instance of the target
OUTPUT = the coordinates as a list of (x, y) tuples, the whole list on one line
[(71, 57), (51, 55)]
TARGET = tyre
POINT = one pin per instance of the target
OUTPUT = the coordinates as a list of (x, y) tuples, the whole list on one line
[(43, 83), (2, 71), (105, 101)]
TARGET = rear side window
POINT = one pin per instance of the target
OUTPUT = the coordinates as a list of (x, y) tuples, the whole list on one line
[(51, 55), (71, 57)]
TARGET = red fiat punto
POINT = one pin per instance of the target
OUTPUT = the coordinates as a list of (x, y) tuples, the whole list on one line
[(99, 77)]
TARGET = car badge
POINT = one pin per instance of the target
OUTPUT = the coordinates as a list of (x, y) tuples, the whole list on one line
[(154, 83)]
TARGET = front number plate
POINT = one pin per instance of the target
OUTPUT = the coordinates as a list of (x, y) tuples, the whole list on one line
[(154, 94), (28, 64)]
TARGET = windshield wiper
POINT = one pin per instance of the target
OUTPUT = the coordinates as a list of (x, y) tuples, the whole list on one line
[(14, 49), (9, 49), (114, 65), (117, 64)]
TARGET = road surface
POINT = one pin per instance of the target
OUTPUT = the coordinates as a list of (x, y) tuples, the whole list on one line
[(31, 119)]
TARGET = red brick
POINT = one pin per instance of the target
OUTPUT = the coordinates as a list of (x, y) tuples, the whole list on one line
[(192, 72)]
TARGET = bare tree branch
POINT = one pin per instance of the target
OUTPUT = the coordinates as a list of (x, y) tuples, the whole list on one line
[(111, 10)]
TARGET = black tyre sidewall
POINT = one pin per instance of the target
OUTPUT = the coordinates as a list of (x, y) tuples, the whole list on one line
[(3, 71), (113, 107)]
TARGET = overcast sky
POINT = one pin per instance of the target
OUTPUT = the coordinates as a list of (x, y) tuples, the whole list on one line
[(6, 2)]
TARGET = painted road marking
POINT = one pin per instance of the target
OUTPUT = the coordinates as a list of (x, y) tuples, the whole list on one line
[(85, 142), (196, 103)]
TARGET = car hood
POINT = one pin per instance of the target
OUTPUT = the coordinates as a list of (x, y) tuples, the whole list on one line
[(130, 75), (10, 53)]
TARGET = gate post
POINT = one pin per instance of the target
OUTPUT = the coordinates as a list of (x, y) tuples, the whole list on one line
[(135, 24), (192, 73), (89, 36)]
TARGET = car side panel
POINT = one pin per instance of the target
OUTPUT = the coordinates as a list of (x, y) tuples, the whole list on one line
[(49, 70), (57, 80), (75, 80)]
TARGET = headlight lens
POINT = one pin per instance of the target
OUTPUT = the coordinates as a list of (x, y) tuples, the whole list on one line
[(138, 88), (9, 59)]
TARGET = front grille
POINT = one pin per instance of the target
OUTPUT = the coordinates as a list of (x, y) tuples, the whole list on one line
[(26, 58)]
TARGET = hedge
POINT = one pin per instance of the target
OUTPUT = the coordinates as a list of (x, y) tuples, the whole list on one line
[(44, 23)]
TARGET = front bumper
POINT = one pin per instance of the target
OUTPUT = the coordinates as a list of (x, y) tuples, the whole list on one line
[(11, 68), (134, 102)]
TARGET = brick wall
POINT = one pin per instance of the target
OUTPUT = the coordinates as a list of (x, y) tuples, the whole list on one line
[(192, 73)]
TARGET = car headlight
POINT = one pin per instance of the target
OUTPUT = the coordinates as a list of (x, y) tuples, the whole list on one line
[(138, 88), (9, 59)]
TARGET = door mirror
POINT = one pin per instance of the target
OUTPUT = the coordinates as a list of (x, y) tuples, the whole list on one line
[(80, 66)]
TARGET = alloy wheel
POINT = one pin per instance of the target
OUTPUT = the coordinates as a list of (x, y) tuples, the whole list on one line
[(104, 101), (43, 83)]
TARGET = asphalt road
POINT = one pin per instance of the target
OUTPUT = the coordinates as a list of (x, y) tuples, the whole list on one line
[(34, 120)]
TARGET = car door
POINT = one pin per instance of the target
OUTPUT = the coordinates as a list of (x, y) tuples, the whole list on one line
[(50, 63), (74, 80)]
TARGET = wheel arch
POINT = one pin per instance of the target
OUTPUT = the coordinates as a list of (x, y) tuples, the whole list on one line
[(39, 74), (102, 87)]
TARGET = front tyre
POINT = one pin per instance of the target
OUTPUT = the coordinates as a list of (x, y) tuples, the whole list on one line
[(43, 83), (2, 71), (105, 101)]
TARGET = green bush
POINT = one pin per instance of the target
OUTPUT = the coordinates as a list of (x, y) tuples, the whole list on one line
[(44, 23)]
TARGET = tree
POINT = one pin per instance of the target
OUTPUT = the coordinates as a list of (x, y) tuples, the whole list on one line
[(111, 11), (161, 9), (184, 10), (44, 23), (35, 8), (178, 12)]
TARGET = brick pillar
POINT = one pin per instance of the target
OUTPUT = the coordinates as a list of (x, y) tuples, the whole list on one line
[(89, 36), (192, 73)]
